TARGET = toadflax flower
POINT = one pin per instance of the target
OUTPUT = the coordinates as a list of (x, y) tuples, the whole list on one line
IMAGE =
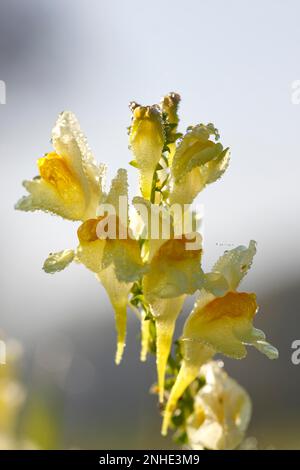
[(222, 411), (69, 182), (173, 272), (219, 325), (114, 257), (116, 261), (197, 161)]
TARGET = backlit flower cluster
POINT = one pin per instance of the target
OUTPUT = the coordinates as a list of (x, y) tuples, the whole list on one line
[(153, 267)]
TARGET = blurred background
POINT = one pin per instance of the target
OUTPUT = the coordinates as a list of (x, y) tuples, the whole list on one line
[(234, 64)]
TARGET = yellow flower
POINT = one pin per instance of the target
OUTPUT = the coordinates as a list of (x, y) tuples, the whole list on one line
[(157, 271), (174, 271), (222, 412), (114, 258), (116, 261), (198, 161), (69, 182), (219, 325), (146, 140)]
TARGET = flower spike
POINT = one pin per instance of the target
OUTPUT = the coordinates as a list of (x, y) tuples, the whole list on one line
[(151, 262)]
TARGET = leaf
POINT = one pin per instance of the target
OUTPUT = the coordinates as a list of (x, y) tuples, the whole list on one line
[(58, 261)]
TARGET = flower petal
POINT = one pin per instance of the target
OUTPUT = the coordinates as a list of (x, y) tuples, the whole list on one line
[(70, 143), (126, 258), (118, 195), (118, 293), (224, 408), (235, 264), (195, 355), (145, 336), (99, 248), (157, 225), (165, 312), (91, 248), (223, 323), (44, 196), (197, 162), (174, 270)]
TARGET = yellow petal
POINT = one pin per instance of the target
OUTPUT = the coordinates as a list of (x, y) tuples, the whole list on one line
[(98, 253), (199, 174), (157, 225), (174, 270), (224, 323), (118, 195), (197, 162), (145, 337), (126, 258), (71, 144), (165, 312), (44, 196), (192, 152), (91, 248), (222, 411), (185, 190), (55, 171), (235, 264), (121, 248), (195, 355), (147, 141), (118, 294)]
